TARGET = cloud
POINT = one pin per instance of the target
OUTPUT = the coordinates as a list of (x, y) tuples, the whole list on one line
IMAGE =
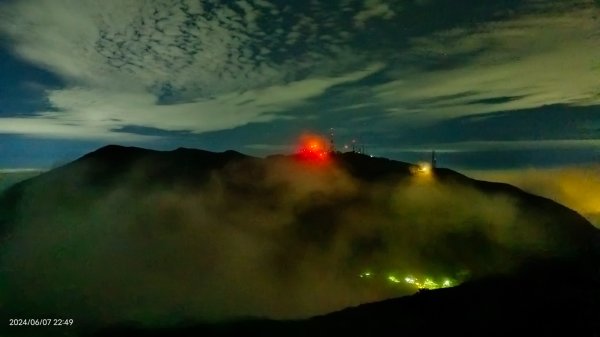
[(206, 66), (530, 60), (373, 9), (577, 187), (188, 67), (94, 113), (137, 45), (62, 128), (568, 144)]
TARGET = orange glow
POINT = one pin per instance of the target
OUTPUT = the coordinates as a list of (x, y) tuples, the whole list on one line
[(313, 147)]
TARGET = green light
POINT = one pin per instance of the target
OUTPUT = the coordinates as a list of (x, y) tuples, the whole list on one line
[(366, 274), (419, 283), (393, 279), (428, 283)]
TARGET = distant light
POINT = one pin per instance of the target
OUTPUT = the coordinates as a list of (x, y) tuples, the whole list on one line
[(428, 283), (425, 168), (366, 274), (416, 282), (313, 148), (421, 169), (393, 279)]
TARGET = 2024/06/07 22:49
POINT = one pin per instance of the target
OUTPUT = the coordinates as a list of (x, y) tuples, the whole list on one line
[(41, 322)]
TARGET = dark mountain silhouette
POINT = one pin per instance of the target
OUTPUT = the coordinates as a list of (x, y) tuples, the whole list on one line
[(541, 275)]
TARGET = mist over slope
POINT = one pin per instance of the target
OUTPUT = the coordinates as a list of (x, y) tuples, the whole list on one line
[(13, 176), (576, 187), (127, 234)]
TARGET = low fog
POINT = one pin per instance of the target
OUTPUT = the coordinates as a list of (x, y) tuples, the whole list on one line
[(276, 238), (11, 177), (577, 187)]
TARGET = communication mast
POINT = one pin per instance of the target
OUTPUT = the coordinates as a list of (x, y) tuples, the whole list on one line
[(331, 140)]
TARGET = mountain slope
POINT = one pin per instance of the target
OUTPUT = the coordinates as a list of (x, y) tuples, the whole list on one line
[(156, 238), (492, 307)]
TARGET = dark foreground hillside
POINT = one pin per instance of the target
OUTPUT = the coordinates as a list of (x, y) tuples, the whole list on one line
[(512, 306)]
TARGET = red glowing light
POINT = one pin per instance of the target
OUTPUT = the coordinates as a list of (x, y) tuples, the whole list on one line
[(313, 148)]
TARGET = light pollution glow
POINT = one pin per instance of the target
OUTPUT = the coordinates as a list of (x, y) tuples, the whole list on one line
[(577, 187)]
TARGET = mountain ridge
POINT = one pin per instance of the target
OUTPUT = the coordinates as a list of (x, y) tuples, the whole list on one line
[(193, 166), (569, 261)]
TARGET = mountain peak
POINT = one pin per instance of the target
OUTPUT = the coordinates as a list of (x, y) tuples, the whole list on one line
[(376, 222)]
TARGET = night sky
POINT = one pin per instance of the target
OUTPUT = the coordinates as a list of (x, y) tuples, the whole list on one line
[(488, 84)]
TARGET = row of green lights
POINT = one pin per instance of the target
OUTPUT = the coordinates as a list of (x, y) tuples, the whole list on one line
[(427, 283)]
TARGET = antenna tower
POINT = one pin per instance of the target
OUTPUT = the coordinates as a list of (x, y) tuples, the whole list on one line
[(331, 140)]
